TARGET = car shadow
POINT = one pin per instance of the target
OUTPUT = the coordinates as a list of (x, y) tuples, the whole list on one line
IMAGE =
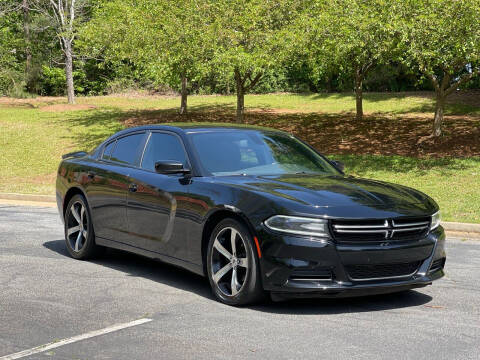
[(139, 266), (405, 299)]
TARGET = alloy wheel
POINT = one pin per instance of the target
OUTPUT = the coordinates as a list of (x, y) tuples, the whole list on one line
[(77, 226), (229, 261)]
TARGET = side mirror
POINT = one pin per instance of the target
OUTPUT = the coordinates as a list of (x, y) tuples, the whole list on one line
[(339, 165), (170, 167)]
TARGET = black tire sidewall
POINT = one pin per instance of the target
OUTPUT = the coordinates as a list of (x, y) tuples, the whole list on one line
[(89, 248), (252, 290)]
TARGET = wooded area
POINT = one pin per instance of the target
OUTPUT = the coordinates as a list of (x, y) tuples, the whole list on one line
[(92, 47)]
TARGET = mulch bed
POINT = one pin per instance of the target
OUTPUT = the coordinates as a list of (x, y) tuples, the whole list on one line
[(406, 135)]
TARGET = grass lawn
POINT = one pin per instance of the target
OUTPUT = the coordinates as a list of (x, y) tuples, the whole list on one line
[(34, 133)]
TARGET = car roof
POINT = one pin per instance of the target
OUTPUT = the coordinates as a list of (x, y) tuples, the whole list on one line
[(188, 128)]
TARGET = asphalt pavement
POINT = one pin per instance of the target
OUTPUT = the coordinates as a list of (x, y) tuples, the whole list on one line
[(45, 296)]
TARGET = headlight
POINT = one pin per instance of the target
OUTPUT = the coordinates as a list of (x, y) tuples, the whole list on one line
[(298, 225), (435, 220)]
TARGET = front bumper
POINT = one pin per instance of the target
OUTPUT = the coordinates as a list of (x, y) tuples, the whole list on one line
[(297, 267)]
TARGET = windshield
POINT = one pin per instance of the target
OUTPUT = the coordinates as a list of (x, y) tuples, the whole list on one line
[(250, 152)]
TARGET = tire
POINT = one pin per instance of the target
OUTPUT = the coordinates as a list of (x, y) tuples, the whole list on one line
[(79, 235), (244, 265)]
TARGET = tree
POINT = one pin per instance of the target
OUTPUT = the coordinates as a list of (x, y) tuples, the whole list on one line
[(247, 40), (442, 38), (185, 50), (11, 46), (27, 38), (9, 6), (166, 38), (347, 36), (65, 17)]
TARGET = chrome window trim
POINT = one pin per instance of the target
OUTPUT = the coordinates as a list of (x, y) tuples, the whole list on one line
[(144, 148)]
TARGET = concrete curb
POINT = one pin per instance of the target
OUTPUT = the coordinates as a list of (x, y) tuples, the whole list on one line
[(461, 230), (461, 227), (28, 197), (455, 229)]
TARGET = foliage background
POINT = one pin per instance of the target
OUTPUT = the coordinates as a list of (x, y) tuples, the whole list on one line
[(110, 60)]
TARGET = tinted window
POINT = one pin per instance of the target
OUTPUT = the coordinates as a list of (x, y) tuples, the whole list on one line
[(163, 147), (257, 153), (127, 147), (108, 151)]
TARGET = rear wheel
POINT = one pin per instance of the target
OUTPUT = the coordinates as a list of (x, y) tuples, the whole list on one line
[(79, 236), (232, 266)]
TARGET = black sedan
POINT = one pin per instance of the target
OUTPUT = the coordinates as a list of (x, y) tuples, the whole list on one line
[(256, 211)]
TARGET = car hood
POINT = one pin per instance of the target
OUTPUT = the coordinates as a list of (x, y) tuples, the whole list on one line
[(335, 191)]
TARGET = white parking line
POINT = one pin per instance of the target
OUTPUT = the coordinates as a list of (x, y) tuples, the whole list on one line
[(73, 339)]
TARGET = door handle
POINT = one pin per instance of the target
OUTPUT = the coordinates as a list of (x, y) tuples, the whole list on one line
[(91, 174), (132, 187)]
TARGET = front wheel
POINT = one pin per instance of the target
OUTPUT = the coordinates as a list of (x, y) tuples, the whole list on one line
[(232, 266), (79, 236)]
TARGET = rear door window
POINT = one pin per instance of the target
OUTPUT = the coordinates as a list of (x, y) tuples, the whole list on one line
[(162, 147), (127, 149)]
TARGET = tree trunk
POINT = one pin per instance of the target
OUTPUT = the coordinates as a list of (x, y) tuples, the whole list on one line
[(69, 72), (28, 53), (240, 105), (240, 97), (184, 93), (359, 93), (439, 109), (442, 89)]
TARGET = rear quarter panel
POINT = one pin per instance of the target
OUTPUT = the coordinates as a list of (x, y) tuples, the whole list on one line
[(72, 173)]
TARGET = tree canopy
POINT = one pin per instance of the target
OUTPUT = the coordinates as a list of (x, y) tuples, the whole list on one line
[(350, 36), (246, 37), (215, 46), (167, 39), (442, 39)]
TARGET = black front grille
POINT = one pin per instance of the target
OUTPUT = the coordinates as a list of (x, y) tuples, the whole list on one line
[(403, 229), (365, 272), (437, 265)]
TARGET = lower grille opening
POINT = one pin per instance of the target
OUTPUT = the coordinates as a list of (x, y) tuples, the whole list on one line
[(368, 272), (437, 265), (318, 274)]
